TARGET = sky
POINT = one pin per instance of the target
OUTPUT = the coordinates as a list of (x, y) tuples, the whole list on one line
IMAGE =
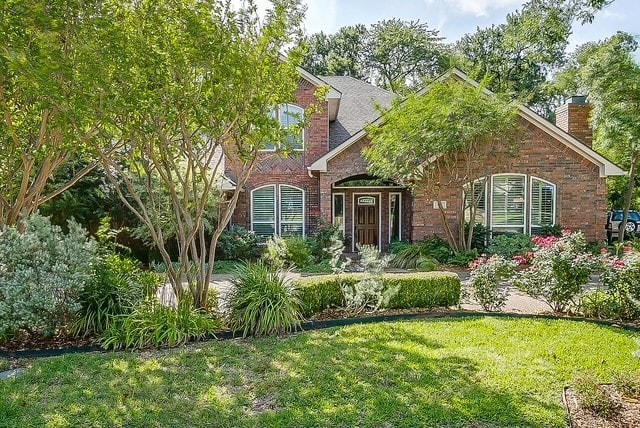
[(454, 18)]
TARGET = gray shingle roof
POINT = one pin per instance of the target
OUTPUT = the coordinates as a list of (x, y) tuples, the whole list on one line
[(357, 107)]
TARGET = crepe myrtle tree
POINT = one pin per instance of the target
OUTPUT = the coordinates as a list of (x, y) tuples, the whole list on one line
[(201, 78), (441, 137), (54, 96)]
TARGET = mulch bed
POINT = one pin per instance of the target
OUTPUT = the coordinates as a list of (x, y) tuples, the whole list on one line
[(22, 343), (626, 416)]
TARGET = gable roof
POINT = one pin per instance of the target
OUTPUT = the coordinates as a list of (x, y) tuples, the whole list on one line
[(357, 107), (607, 168)]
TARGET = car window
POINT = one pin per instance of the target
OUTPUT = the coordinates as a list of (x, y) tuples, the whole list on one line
[(633, 215), (617, 216)]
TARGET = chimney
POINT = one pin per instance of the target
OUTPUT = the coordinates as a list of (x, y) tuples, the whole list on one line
[(573, 117)]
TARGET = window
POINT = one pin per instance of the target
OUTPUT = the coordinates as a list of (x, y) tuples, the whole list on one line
[(475, 201), (543, 201), (289, 116), (395, 217), (291, 211), (508, 203), (263, 211), (338, 211), (287, 208)]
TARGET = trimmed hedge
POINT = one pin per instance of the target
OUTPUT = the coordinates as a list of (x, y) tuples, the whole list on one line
[(415, 290)]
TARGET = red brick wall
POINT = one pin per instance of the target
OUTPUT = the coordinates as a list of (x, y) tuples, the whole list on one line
[(580, 191), (272, 169), (574, 119)]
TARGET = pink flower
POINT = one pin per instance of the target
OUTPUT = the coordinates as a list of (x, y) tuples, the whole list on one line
[(520, 259), (603, 251), (566, 232), (627, 249)]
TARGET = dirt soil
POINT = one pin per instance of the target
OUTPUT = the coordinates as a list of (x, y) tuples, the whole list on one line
[(21, 343), (626, 416)]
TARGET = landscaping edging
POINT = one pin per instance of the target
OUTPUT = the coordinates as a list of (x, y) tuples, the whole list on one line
[(318, 325)]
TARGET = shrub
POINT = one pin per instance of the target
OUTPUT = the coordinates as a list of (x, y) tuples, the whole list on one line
[(594, 398), (621, 277), (559, 270), (508, 246), (463, 258), (238, 243), (42, 272), (322, 240), (369, 292), (551, 230), (415, 290), (601, 304), (286, 252), (434, 249), (154, 325), (396, 246), (486, 276), (263, 301), (481, 235), (117, 286), (628, 385)]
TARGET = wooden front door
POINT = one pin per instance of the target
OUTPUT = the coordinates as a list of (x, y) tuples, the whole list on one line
[(367, 221)]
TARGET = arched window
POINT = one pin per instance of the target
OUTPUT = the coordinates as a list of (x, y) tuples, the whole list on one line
[(289, 116), (277, 209)]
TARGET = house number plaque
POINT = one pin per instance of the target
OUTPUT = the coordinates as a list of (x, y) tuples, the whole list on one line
[(366, 200)]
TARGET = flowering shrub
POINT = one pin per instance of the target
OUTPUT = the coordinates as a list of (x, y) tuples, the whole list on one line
[(621, 278), (485, 278), (559, 269)]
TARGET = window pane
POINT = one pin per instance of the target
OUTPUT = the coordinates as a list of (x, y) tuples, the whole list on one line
[(542, 204), (508, 201), (291, 116), (264, 229), (291, 211), (338, 211), (264, 204), (474, 194), (394, 217)]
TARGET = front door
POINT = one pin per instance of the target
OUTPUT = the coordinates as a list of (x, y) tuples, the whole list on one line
[(366, 220)]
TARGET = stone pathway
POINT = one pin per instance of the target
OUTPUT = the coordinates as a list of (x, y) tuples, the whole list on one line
[(10, 373)]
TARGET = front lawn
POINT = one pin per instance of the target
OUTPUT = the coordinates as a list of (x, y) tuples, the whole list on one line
[(481, 372)]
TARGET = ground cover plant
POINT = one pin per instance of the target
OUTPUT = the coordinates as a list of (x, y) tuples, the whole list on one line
[(480, 371)]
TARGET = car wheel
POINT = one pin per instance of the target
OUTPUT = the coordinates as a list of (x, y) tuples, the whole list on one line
[(630, 227)]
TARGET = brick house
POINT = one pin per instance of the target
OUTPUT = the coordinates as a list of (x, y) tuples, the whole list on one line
[(556, 177)]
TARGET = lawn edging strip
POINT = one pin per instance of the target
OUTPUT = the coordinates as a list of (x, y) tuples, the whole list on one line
[(323, 324)]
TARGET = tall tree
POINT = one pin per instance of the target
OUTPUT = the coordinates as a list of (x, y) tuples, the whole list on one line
[(440, 139), (402, 53), (54, 98), (610, 75), (339, 54), (198, 82)]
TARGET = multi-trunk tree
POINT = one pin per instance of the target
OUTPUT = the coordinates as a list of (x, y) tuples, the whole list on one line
[(439, 139)]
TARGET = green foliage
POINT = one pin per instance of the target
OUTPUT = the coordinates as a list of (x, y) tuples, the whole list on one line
[(415, 290), (594, 397), (117, 286), (238, 243), (155, 325), (559, 270), (620, 275), (601, 304), (42, 274), (628, 385), (411, 256), (463, 258), (369, 293), (322, 240), (396, 246), (517, 244), (551, 230), (287, 252), (485, 279), (481, 235), (263, 301)]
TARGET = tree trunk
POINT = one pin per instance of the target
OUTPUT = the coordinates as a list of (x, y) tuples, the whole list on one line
[(627, 199)]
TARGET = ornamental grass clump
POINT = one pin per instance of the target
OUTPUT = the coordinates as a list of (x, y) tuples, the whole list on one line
[(263, 301), (485, 280), (559, 270)]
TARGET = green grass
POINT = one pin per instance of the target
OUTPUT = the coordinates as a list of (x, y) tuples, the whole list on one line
[(481, 372), (225, 266)]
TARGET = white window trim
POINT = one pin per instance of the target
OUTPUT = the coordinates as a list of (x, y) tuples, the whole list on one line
[(344, 211), (526, 204), (275, 204), (279, 205), (277, 117), (555, 197), (353, 218), (391, 195)]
